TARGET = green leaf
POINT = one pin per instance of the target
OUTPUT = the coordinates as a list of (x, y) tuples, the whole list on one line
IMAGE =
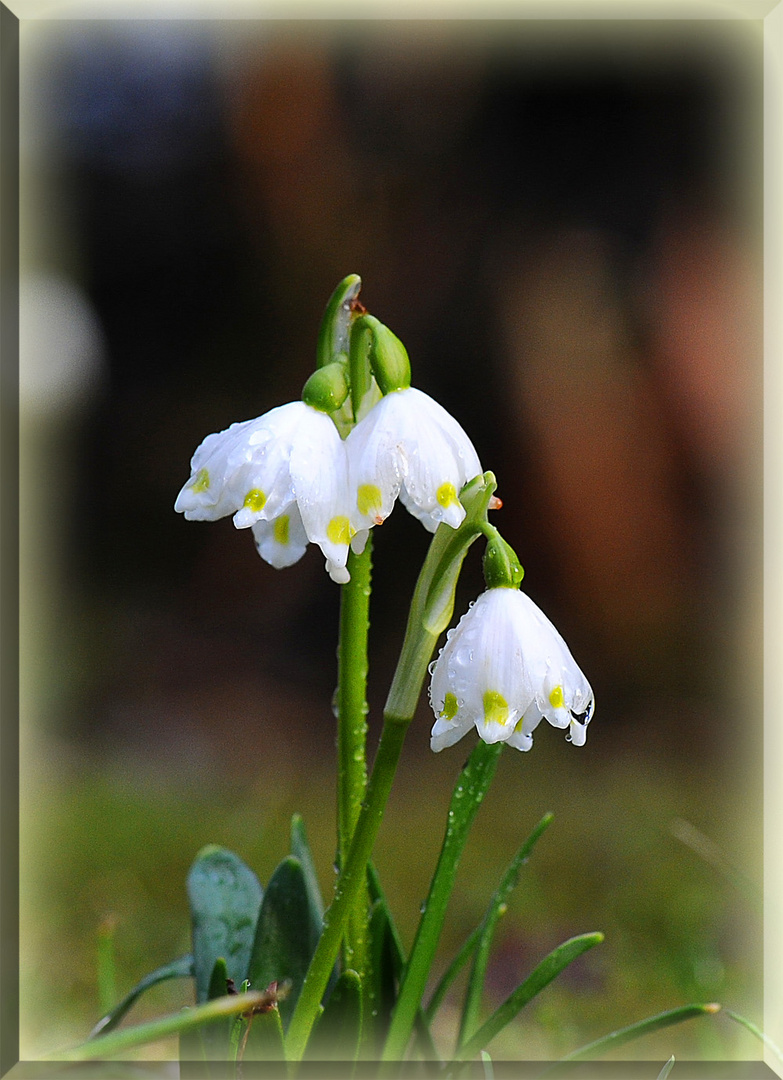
[(497, 907), (617, 1038), (284, 941), (225, 897), (337, 1033), (384, 972), (117, 1042), (175, 970), (215, 1036), (540, 977), (265, 1038), (466, 798), (300, 849), (387, 963)]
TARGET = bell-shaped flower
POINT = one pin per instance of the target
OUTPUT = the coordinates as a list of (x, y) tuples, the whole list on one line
[(409, 446), (284, 474), (505, 668)]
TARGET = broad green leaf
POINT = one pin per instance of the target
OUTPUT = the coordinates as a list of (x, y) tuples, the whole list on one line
[(337, 1033), (215, 1035), (497, 907), (284, 935), (540, 977), (264, 1041), (117, 1042), (382, 977), (300, 849), (177, 969), (225, 896), (469, 791), (617, 1038), (387, 963)]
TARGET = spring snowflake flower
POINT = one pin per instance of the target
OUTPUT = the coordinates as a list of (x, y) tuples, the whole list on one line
[(505, 668), (285, 475), (409, 445)]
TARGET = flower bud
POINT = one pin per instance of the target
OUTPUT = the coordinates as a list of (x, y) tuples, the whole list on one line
[(327, 388), (388, 356), (336, 321), (502, 568)]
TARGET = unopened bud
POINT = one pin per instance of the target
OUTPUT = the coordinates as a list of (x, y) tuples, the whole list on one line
[(327, 388)]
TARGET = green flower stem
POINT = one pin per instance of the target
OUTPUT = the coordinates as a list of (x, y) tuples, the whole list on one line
[(350, 883), (351, 735), (430, 613)]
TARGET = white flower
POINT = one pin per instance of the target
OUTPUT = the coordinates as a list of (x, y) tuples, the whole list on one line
[(408, 445), (504, 668), (286, 475)]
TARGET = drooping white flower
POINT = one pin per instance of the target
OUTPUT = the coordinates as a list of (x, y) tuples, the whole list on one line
[(505, 668), (286, 475), (409, 445)]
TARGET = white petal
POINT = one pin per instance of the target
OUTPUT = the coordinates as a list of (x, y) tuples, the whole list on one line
[(281, 542), (408, 445), (319, 472), (375, 467), (246, 463)]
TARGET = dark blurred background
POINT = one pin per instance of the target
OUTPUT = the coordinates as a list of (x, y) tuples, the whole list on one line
[(562, 223)]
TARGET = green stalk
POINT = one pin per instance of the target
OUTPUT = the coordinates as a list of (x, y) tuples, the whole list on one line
[(430, 613), (351, 735)]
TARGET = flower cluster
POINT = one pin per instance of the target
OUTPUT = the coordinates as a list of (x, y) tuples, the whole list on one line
[(505, 668), (291, 478)]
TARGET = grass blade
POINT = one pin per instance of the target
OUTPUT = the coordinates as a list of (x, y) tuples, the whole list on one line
[(466, 798), (540, 977), (496, 908), (451, 972), (634, 1031), (754, 1030), (177, 969), (105, 1046)]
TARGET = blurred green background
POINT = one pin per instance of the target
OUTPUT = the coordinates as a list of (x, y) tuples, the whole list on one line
[(562, 223)]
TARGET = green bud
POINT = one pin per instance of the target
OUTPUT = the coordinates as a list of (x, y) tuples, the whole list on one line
[(502, 568), (359, 362), (388, 357), (336, 321), (327, 388)]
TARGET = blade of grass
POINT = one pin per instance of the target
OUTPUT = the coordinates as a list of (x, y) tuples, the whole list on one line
[(634, 1031), (105, 1046), (666, 1069), (451, 972), (496, 908), (540, 977), (177, 969), (466, 798), (754, 1030)]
